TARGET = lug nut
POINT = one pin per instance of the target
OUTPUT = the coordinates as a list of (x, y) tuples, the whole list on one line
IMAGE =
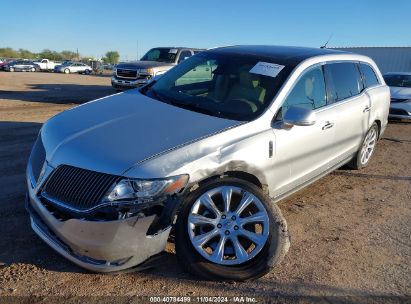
[(236, 227), (233, 217), (223, 216), (227, 232), (219, 226)]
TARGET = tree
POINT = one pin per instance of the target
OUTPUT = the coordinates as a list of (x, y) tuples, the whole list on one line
[(8, 53), (68, 55), (26, 54), (49, 54), (112, 57)]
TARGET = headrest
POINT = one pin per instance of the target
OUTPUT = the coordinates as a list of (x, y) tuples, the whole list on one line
[(248, 80)]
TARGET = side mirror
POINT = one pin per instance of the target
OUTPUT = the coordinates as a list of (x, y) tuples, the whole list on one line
[(298, 116)]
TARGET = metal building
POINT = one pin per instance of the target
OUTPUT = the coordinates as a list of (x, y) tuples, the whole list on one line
[(388, 59)]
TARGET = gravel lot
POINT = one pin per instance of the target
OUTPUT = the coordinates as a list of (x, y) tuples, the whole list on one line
[(351, 230)]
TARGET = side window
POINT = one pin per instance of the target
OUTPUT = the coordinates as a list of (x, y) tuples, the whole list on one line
[(309, 91), (370, 78), (184, 55), (344, 81)]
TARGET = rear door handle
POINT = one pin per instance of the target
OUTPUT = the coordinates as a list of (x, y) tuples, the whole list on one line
[(328, 125), (366, 109)]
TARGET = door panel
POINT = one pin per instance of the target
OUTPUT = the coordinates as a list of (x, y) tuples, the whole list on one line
[(345, 92), (304, 151), (351, 125)]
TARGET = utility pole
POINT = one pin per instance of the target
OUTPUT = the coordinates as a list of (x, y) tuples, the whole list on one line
[(78, 57)]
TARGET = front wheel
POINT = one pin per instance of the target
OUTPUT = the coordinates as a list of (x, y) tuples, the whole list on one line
[(66, 71), (87, 72), (229, 229), (363, 156), (33, 69), (11, 69)]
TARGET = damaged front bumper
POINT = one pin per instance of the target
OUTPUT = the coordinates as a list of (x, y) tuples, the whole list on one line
[(101, 246)]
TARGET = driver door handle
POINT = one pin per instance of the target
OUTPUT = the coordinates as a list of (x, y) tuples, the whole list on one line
[(328, 125), (366, 109)]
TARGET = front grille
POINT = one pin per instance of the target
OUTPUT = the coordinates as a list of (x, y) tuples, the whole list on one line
[(398, 112), (78, 188), (127, 73), (37, 158)]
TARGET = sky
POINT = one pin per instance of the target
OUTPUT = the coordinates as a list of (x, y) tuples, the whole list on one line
[(133, 27)]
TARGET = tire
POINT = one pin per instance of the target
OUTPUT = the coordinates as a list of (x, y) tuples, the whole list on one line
[(66, 71), (11, 69), (87, 72), (273, 239), (32, 69), (363, 156)]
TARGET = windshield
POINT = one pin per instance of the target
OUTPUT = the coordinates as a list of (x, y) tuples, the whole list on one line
[(161, 55), (398, 80), (222, 85)]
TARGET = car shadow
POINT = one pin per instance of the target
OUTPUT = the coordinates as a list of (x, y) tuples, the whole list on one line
[(58, 93)]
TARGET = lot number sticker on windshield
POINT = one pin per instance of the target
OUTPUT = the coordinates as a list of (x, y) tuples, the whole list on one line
[(173, 51), (267, 69)]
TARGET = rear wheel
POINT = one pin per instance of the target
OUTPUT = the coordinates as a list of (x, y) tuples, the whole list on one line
[(87, 72), (11, 69), (229, 229), (33, 69), (66, 71), (363, 156)]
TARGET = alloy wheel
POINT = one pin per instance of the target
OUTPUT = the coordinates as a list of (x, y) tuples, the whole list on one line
[(368, 146), (228, 225)]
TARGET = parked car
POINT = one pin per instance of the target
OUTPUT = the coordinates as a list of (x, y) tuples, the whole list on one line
[(4, 63), (74, 67), (64, 63), (154, 63), (211, 153), (20, 65), (400, 87), (45, 65)]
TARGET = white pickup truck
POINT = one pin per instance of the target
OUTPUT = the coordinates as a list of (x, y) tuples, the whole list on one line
[(45, 65)]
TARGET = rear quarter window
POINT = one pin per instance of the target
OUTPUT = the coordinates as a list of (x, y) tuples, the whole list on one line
[(343, 81), (370, 78)]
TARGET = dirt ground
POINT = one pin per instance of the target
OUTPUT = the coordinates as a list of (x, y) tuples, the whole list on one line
[(351, 230)]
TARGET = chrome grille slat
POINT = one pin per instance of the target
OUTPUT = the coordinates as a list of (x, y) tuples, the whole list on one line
[(79, 195), (94, 185), (102, 184), (78, 188), (126, 73), (64, 183), (104, 189)]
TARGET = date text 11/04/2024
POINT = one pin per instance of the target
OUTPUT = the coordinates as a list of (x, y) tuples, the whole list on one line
[(203, 299)]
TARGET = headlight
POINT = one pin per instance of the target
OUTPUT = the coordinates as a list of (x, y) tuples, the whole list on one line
[(114, 72), (146, 190), (148, 71)]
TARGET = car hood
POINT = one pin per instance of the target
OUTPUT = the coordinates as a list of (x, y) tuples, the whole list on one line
[(116, 132), (400, 92), (142, 65)]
